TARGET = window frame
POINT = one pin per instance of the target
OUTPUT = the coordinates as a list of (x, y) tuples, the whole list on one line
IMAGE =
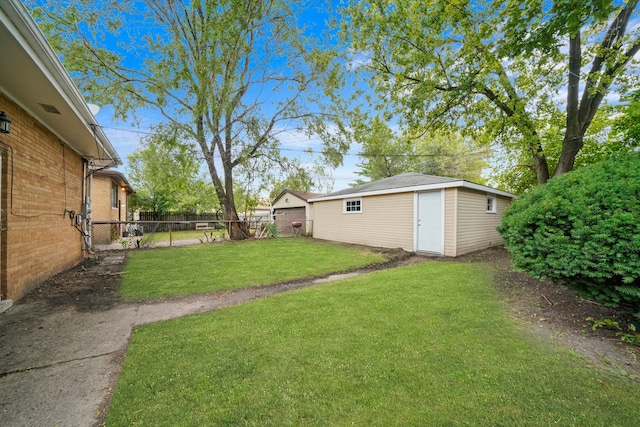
[(491, 203), (114, 195), (357, 202)]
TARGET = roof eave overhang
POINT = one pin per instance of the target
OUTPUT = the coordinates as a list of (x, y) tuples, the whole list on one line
[(75, 125), (415, 189)]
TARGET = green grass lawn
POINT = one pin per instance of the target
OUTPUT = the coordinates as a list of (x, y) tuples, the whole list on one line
[(424, 345), (209, 268)]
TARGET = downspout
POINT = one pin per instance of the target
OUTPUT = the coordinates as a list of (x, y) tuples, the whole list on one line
[(84, 179), (86, 207), (85, 236)]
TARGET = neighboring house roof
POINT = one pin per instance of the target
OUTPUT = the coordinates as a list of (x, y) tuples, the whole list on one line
[(116, 176), (407, 182), (299, 194), (32, 76)]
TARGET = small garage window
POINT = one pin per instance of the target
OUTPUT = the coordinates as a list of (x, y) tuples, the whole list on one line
[(491, 203), (353, 205)]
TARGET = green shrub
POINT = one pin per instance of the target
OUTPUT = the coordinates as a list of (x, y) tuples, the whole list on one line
[(583, 229)]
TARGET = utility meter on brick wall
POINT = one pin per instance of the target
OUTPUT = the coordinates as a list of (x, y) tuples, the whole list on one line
[(86, 208)]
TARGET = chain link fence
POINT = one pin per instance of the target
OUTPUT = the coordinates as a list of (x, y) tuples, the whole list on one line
[(113, 235)]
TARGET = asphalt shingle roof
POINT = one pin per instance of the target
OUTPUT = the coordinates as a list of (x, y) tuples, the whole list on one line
[(395, 182)]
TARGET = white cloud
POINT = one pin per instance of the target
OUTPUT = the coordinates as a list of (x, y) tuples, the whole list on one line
[(358, 59), (296, 139), (344, 175)]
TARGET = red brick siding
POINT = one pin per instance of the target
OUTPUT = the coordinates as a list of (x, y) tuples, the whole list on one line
[(41, 178)]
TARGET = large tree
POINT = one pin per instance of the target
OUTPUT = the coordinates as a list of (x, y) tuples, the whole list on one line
[(231, 74), (516, 72)]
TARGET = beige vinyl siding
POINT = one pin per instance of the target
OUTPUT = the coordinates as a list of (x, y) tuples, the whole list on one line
[(310, 216), (450, 226), (476, 228), (289, 201), (385, 221)]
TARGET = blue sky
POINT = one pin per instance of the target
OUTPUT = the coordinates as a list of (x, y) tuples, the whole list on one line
[(126, 137)]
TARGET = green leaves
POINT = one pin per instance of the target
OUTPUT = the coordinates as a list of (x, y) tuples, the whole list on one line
[(583, 229), (497, 70)]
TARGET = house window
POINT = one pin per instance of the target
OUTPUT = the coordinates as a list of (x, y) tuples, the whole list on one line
[(491, 203), (114, 195), (353, 205)]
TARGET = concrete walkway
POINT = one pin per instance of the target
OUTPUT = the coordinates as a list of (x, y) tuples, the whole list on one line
[(59, 365)]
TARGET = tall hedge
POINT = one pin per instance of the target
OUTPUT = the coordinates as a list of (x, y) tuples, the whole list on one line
[(583, 229)]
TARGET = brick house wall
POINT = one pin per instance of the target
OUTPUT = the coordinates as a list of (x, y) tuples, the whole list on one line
[(102, 208), (42, 181)]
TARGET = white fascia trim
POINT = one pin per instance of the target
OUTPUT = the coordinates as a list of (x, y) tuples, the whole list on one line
[(417, 188), (486, 189), (17, 19)]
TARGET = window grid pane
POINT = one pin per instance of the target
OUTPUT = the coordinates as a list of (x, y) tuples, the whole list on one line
[(353, 206)]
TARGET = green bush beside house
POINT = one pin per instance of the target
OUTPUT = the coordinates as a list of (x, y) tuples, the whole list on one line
[(583, 229)]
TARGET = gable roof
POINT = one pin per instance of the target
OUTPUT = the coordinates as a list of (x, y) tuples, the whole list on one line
[(299, 194), (32, 76), (407, 182)]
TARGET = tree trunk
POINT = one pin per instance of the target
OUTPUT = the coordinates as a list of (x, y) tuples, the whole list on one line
[(607, 63), (237, 231), (525, 125), (540, 165), (571, 146), (574, 134), (224, 191)]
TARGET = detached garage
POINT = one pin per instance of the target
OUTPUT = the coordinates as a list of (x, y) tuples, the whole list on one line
[(415, 212), (291, 207)]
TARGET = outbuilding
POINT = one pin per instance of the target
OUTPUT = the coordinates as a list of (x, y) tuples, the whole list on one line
[(418, 213), (292, 207)]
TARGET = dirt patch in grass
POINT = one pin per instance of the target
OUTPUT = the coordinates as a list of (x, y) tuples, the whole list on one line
[(92, 285)]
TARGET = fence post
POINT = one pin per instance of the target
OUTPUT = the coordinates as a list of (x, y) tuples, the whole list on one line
[(170, 236)]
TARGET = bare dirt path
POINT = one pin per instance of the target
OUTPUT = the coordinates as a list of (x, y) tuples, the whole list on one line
[(62, 346)]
